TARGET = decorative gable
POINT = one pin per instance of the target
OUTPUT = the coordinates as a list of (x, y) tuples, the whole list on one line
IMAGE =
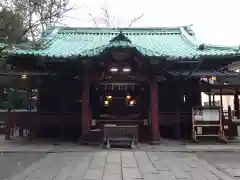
[(120, 37)]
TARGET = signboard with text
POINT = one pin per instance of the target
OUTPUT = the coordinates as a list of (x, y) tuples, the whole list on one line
[(206, 114)]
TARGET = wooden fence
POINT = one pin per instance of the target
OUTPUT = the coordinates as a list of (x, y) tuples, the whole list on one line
[(30, 123)]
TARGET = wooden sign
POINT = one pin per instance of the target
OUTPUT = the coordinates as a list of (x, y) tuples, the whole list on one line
[(206, 114), (198, 114), (207, 117)]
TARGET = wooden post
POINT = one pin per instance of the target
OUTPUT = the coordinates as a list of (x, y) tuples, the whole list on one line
[(62, 114), (85, 105), (209, 94), (214, 104), (154, 111), (38, 99), (229, 123), (178, 124), (221, 104), (8, 125), (221, 98), (236, 105)]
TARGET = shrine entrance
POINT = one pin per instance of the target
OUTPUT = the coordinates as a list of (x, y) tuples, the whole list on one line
[(120, 101), (120, 104), (123, 92)]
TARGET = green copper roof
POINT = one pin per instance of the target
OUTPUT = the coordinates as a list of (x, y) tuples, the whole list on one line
[(176, 42)]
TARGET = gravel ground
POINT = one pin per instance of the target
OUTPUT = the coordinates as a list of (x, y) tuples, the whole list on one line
[(13, 163)]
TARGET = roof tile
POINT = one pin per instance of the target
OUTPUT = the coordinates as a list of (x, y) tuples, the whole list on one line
[(172, 42)]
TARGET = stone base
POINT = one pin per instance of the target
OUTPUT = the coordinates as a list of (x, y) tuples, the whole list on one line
[(155, 139)]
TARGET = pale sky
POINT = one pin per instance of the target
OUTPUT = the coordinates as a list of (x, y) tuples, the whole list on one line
[(214, 21)]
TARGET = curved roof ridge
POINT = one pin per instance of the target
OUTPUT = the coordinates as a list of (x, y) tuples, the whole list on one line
[(192, 39), (117, 28), (45, 41), (63, 29), (52, 34)]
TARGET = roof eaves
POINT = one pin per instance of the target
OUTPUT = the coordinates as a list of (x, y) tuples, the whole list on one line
[(220, 47), (203, 46)]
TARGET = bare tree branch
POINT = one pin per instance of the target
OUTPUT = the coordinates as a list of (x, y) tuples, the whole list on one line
[(108, 19), (106, 16), (135, 20), (118, 22), (37, 16), (93, 19)]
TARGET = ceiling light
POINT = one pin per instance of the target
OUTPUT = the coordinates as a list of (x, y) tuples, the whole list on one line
[(126, 69), (24, 76), (114, 69)]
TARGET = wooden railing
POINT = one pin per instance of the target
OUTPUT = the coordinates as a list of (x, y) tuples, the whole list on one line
[(22, 122), (25, 121), (182, 121), (178, 121), (231, 123)]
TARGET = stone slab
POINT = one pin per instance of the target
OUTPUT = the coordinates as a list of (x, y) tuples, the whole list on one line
[(112, 177), (122, 165)]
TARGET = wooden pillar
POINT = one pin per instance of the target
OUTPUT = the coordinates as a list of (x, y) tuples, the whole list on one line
[(209, 94), (210, 99), (85, 105), (39, 89), (214, 104), (62, 114), (236, 105), (154, 111), (230, 133), (221, 98), (8, 125)]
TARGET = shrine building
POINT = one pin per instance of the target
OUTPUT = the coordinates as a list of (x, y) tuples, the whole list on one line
[(84, 78)]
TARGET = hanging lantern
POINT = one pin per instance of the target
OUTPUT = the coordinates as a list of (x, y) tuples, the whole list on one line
[(109, 97), (214, 78), (106, 103), (132, 102)]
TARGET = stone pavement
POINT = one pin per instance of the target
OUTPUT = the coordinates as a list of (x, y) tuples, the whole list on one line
[(229, 162), (232, 169), (71, 147), (165, 146), (13, 163), (121, 165), (215, 147)]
